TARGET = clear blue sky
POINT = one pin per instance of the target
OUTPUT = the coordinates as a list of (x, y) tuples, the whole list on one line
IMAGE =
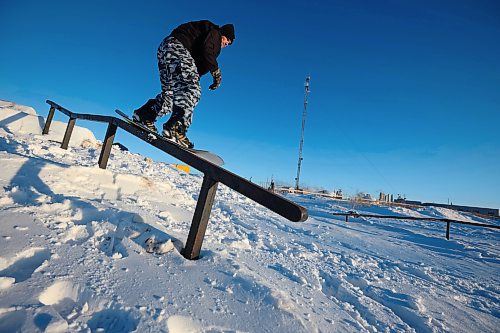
[(405, 95)]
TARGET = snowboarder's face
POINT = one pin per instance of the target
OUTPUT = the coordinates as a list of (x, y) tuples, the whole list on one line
[(224, 42)]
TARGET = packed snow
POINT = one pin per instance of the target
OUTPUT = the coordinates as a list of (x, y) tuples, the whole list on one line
[(74, 254)]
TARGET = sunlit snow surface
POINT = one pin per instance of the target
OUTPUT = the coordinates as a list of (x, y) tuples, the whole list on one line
[(73, 254)]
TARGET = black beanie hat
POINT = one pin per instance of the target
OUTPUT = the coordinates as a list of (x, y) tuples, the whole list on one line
[(228, 31)]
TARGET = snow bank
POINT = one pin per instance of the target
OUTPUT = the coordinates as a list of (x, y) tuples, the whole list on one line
[(19, 119)]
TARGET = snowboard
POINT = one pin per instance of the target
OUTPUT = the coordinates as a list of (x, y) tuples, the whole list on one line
[(204, 154)]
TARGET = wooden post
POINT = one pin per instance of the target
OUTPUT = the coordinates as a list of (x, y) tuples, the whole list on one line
[(49, 120), (67, 134), (107, 144), (347, 218), (448, 223), (200, 218)]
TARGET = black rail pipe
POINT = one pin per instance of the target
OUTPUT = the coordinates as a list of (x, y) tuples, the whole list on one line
[(213, 174), (270, 200), (437, 219), (276, 203), (477, 224), (83, 116)]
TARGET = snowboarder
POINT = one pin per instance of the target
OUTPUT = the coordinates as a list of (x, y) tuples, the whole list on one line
[(189, 52)]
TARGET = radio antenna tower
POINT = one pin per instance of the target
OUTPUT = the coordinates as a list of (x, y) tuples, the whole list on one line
[(304, 114)]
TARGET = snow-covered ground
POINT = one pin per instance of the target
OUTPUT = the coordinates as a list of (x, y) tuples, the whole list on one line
[(73, 257)]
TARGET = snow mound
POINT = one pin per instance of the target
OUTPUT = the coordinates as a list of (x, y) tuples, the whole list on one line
[(6, 282), (20, 119), (183, 324), (6, 105), (58, 292)]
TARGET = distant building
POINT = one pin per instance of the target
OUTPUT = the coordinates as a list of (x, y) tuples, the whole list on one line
[(366, 196), (384, 197)]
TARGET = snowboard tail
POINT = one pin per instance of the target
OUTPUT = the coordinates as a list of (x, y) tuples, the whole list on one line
[(206, 155)]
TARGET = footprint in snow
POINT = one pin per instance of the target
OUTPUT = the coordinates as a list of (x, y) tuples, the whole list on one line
[(12, 321), (112, 321), (22, 266)]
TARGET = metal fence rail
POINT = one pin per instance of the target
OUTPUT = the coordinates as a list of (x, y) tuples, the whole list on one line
[(213, 174), (448, 221)]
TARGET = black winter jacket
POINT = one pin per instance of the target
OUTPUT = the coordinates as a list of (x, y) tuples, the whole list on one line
[(203, 40)]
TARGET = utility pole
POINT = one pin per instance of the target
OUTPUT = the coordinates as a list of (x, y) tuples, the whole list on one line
[(304, 114)]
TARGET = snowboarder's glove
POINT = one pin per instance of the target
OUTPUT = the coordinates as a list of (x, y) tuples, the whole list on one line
[(217, 79)]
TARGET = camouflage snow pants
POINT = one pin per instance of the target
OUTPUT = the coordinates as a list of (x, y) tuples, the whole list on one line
[(180, 81)]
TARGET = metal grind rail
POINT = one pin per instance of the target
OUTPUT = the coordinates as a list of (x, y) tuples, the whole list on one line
[(448, 221), (212, 175)]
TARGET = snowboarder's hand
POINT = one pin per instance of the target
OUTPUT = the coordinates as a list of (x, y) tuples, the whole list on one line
[(217, 79)]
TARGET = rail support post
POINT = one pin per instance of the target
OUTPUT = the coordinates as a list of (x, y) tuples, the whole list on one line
[(200, 219), (67, 134), (107, 145), (50, 116), (448, 223)]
